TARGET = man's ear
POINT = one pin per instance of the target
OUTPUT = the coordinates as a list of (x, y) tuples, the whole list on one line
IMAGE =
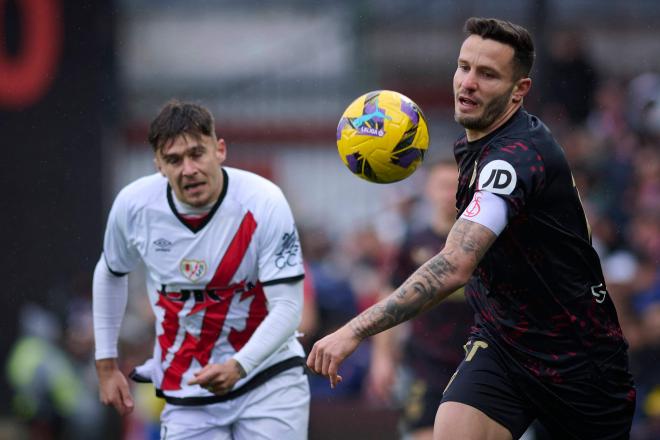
[(521, 89), (221, 150), (157, 165)]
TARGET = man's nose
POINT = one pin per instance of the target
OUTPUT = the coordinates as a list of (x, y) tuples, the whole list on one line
[(470, 81), (189, 167)]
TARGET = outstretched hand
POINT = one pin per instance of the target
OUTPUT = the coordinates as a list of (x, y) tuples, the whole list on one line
[(329, 352)]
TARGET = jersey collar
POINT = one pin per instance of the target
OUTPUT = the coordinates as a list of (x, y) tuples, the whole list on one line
[(476, 145), (216, 205)]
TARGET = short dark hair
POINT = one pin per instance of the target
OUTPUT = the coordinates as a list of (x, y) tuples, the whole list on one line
[(178, 118), (507, 33)]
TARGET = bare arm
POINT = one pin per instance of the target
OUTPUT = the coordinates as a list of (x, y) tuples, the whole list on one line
[(431, 283)]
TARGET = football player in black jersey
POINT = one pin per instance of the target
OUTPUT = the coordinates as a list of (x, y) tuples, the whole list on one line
[(546, 344)]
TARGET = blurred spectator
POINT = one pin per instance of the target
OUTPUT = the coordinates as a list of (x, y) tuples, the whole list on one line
[(644, 103), (54, 388), (430, 349), (607, 119), (310, 314), (646, 371), (336, 302), (569, 80)]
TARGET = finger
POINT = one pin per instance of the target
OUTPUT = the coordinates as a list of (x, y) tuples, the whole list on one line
[(196, 381), (118, 403), (201, 378), (332, 372), (335, 379), (318, 362), (311, 359), (126, 398), (327, 360), (204, 369)]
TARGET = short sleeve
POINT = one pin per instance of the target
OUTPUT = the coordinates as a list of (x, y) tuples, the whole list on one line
[(280, 254), (120, 254), (514, 172)]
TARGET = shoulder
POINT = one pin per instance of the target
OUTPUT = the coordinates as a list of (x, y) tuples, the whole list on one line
[(460, 144), (524, 140), (251, 189), (142, 191)]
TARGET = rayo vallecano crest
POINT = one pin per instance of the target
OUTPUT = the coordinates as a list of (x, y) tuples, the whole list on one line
[(193, 269)]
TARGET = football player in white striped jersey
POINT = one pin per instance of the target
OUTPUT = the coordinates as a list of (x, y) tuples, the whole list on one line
[(224, 278)]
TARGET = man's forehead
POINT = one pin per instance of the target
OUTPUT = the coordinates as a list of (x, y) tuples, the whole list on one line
[(183, 142), (491, 53)]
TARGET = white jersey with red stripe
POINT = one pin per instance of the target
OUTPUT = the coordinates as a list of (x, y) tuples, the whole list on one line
[(205, 283)]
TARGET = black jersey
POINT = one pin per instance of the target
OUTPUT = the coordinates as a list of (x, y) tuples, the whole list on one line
[(434, 347), (538, 293)]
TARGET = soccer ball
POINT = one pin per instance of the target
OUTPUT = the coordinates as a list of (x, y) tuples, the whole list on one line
[(382, 136)]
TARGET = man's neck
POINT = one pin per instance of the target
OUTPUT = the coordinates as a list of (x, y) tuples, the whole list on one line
[(475, 135), (186, 209)]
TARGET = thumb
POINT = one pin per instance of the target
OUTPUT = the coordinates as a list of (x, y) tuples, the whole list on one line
[(126, 397)]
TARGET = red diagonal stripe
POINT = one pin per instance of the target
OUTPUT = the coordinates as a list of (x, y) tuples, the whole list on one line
[(214, 320), (180, 364), (215, 312), (235, 253), (170, 323), (257, 313)]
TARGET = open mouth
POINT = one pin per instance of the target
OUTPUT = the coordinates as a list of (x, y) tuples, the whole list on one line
[(192, 186), (467, 102)]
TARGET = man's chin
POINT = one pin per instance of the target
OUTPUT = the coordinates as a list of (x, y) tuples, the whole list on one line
[(469, 122), (196, 200), (198, 203)]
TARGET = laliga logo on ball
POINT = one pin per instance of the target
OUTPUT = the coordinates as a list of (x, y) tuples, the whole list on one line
[(382, 136)]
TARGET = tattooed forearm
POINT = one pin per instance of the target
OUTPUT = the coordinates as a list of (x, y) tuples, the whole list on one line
[(419, 292), (435, 280)]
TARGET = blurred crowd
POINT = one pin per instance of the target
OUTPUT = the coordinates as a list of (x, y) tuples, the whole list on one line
[(610, 130)]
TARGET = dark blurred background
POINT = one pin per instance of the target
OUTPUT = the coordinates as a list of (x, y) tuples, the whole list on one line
[(80, 81)]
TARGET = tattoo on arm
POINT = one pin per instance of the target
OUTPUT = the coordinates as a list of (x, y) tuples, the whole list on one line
[(433, 281), (471, 238)]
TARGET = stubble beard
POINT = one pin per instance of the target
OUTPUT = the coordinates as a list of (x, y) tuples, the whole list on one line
[(493, 110)]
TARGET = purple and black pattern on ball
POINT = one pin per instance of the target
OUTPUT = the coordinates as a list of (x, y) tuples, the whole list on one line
[(353, 161), (359, 165), (410, 110), (340, 127), (406, 158), (403, 155)]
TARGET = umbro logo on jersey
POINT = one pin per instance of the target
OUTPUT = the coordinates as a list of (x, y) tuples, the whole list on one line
[(163, 245), (498, 177), (193, 269)]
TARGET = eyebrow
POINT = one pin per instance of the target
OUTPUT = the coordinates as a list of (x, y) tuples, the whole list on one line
[(190, 149), (480, 67)]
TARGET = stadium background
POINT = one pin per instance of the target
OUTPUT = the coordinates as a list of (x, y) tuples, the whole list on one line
[(79, 82)]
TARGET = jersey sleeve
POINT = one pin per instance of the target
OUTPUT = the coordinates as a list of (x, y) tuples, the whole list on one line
[(119, 251), (515, 172), (280, 254)]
